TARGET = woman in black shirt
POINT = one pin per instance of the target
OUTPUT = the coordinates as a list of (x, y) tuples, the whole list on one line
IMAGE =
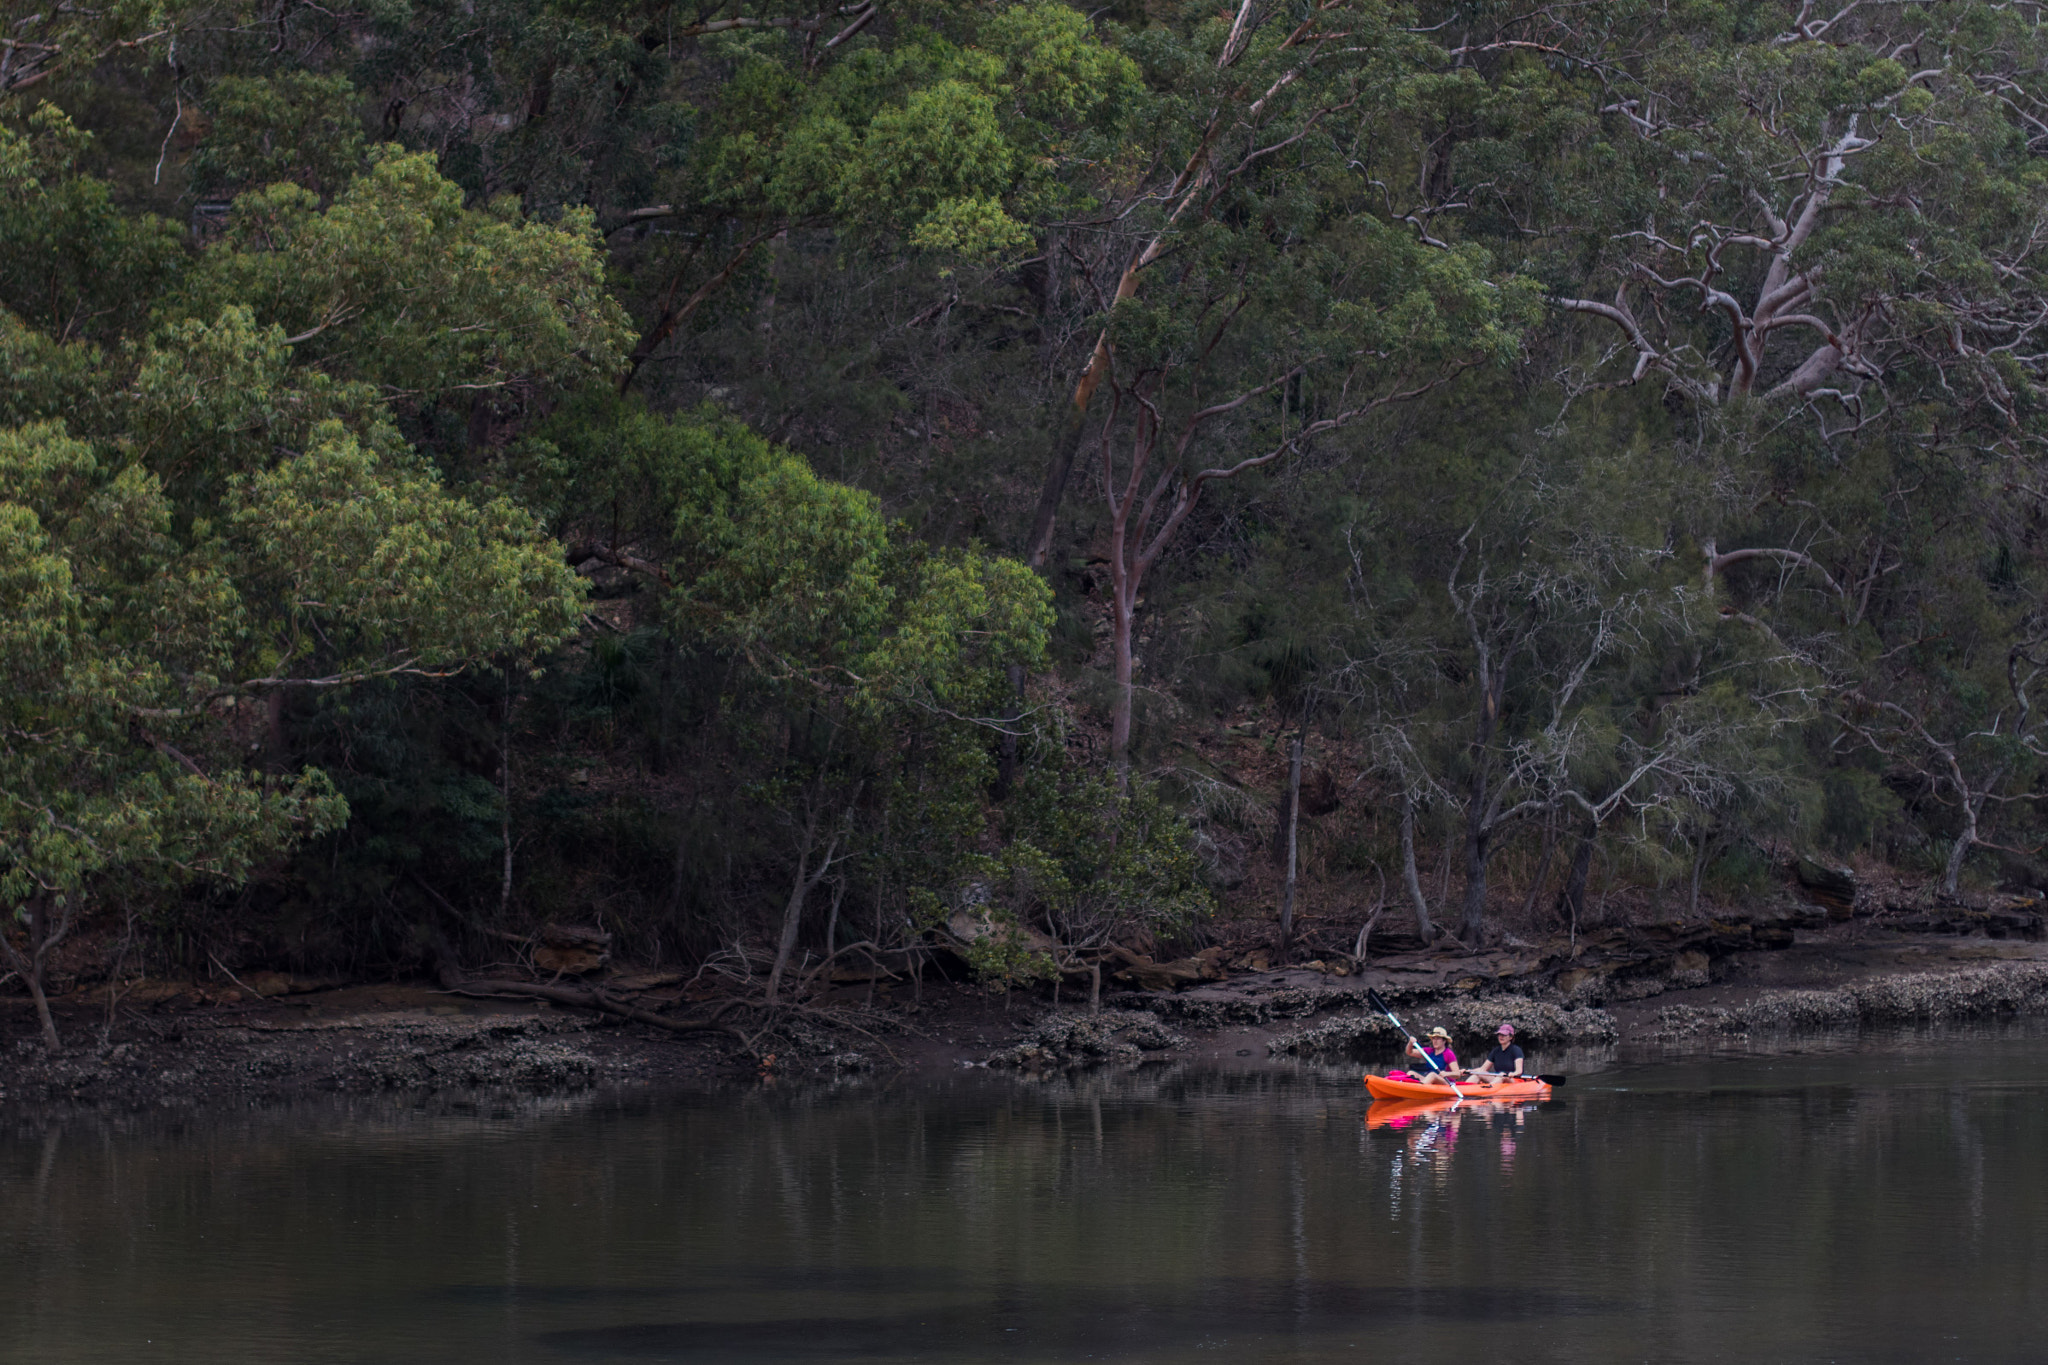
[(1504, 1061)]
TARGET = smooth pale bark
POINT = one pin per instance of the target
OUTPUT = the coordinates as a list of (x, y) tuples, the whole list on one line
[(832, 920), (1973, 811), (1123, 605), (1952, 871), (1408, 873), (1293, 839)]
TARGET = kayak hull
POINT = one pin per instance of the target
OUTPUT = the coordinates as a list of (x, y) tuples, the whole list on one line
[(1380, 1088)]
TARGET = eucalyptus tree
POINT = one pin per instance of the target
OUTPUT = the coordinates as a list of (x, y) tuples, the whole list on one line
[(850, 676), (944, 132), (1259, 293), (209, 506), (1811, 234)]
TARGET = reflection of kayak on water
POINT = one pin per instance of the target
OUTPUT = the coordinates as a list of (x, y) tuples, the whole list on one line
[(1383, 1088), (1401, 1113)]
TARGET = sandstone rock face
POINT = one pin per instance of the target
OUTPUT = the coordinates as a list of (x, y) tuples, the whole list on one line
[(1831, 887), (572, 950)]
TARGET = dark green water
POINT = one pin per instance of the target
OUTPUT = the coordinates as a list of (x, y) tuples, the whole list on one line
[(1882, 1200)]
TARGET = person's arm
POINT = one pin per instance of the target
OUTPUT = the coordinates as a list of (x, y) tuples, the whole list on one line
[(1520, 1057)]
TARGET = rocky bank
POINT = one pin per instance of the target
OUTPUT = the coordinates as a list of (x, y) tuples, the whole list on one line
[(1702, 984)]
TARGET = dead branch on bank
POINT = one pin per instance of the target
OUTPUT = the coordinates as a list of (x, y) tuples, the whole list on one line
[(767, 1015), (589, 999)]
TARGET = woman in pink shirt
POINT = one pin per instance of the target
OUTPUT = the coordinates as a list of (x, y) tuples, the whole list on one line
[(1438, 1061)]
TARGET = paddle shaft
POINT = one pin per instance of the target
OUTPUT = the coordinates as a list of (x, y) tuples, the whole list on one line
[(1382, 1007), (1373, 998)]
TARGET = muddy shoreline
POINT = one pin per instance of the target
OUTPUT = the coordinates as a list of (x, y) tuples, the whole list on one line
[(186, 1051)]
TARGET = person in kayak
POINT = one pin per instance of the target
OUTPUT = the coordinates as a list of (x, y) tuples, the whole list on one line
[(1503, 1063), (1439, 1063)]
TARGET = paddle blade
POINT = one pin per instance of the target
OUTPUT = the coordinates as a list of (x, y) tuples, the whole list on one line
[(1372, 997), (1553, 1081)]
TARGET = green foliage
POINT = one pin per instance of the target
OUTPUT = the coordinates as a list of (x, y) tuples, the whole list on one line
[(1560, 532), (214, 524), (96, 616), (357, 556), (75, 264), (1093, 863), (399, 285), (297, 126)]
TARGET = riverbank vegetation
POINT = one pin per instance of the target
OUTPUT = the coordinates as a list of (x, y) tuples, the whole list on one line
[(774, 483)]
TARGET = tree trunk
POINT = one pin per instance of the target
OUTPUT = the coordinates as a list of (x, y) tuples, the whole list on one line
[(673, 314), (1478, 848), (1408, 874), (678, 873), (505, 815), (1952, 871), (1283, 825), (1293, 840), (1973, 810), (277, 753), (1478, 832), (1059, 470), (1443, 865), (1572, 901), (807, 879), (1006, 759), (1542, 870), (792, 914), (665, 681), (832, 920), (1120, 720), (41, 940), (1699, 866)]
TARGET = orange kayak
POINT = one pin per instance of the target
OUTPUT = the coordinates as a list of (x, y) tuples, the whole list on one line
[(1528, 1088)]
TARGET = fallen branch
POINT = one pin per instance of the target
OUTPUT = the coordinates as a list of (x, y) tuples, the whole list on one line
[(868, 944), (591, 1000)]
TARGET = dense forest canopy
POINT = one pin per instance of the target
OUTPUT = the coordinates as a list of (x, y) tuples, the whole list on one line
[(773, 479)]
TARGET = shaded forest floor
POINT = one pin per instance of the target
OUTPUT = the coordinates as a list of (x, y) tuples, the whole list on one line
[(173, 1044)]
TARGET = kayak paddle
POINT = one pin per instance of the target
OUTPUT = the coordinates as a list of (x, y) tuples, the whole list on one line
[(1373, 998), (1382, 1006)]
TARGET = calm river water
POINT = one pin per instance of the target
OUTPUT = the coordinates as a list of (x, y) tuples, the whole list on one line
[(1882, 1199)]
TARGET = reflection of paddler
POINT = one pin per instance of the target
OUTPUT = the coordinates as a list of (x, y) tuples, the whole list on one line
[(1401, 1113)]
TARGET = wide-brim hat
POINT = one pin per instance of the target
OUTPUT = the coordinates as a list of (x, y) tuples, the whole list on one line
[(1439, 1032)]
